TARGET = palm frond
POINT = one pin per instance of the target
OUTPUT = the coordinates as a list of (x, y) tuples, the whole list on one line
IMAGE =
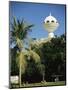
[(21, 60), (19, 43), (28, 27), (35, 56), (20, 28)]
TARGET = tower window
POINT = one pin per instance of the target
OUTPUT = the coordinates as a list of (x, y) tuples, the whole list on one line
[(47, 21), (52, 21)]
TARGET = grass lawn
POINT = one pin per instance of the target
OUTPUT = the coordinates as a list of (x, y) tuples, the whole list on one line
[(41, 84)]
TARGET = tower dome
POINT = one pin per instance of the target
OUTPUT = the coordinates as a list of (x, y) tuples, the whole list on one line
[(50, 19)]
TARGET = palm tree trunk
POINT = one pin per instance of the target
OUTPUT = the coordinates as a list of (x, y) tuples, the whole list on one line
[(20, 70), (43, 76), (20, 76)]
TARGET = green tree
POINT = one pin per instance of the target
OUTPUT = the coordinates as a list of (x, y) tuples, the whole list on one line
[(53, 56), (13, 67)]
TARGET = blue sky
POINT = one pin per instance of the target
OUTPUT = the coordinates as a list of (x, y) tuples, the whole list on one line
[(35, 13)]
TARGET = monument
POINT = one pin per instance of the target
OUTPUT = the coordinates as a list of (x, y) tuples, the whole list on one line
[(50, 24)]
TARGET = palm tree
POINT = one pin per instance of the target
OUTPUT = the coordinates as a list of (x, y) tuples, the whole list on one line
[(41, 68), (18, 34)]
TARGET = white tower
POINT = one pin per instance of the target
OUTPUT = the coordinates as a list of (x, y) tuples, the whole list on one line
[(51, 25)]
